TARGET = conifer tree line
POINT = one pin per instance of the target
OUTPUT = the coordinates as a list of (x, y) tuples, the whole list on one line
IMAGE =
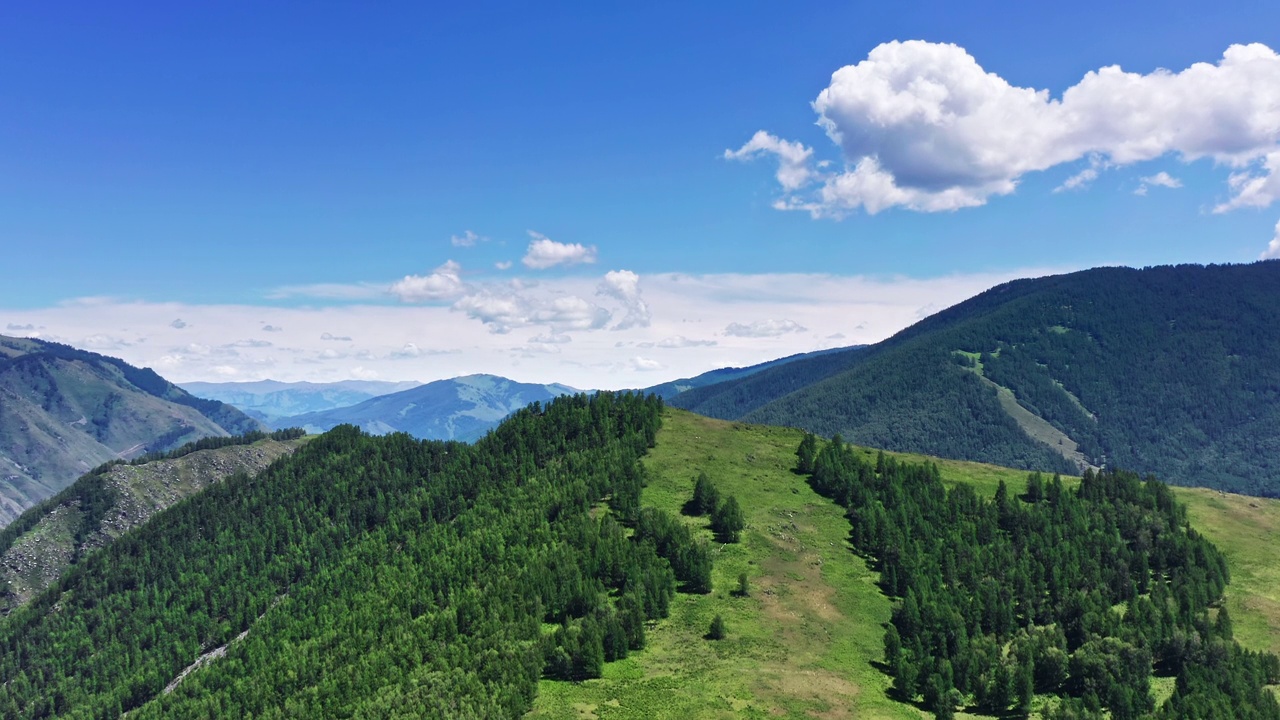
[(1080, 592), (375, 576)]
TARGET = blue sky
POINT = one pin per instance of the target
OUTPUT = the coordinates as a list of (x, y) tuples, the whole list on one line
[(237, 164)]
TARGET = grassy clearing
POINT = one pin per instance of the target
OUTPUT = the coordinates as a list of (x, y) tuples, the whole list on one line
[(800, 646), (1246, 530), (804, 643)]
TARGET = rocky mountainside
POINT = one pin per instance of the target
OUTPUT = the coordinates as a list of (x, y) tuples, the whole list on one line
[(462, 408), (270, 400), (64, 411), (101, 506)]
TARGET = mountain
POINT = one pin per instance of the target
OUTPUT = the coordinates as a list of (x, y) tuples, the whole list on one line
[(64, 411), (387, 577), (462, 408), (38, 546), (269, 400), (1169, 370), (669, 390)]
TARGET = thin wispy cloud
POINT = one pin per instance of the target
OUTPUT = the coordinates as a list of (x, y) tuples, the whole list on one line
[(1160, 179), (467, 239)]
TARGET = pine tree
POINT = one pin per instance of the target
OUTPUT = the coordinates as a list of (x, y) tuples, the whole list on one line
[(705, 496), (717, 631), (806, 453), (727, 520)]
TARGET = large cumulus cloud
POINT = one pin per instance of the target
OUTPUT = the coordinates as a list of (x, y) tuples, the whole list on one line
[(923, 126)]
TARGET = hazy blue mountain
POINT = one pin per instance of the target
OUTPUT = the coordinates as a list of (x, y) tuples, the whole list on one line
[(669, 390), (1168, 370), (462, 408), (271, 399), (64, 411)]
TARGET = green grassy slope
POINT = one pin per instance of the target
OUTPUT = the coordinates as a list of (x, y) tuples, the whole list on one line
[(804, 643)]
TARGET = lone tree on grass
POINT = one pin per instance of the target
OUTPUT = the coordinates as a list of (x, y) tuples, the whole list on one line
[(727, 521), (717, 631)]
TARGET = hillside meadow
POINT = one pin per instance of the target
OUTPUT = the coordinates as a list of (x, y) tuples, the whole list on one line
[(807, 640)]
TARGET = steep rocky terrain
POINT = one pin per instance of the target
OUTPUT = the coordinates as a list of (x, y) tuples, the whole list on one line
[(64, 411), (102, 506)]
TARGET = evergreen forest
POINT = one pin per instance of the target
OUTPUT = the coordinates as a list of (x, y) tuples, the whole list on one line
[(373, 577), (1080, 595)]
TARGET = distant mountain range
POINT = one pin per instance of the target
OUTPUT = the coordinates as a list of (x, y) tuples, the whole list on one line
[(269, 400), (1169, 370), (455, 409), (64, 411), (462, 408)]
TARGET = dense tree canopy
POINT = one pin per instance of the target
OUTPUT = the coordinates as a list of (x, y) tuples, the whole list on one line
[(1078, 592)]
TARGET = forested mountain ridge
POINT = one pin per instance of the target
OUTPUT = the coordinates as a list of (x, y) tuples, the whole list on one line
[(64, 411), (1171, 370), (367, 576), (38, 546), (461, 408)]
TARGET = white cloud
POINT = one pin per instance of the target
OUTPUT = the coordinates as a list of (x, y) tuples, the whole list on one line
[(570, 313), (360, 372), (467, 239), (1258, 187), (103, 342), (624, 286), (922, 126), (330, 291), (1273, 248), (544, 253), (516, 306), (410, 350), (550, 339), (1160, 179), (444, 283), (503, 265), (644, 364), (793, 158), (763, 328), (680, 341), (1078, 181)]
